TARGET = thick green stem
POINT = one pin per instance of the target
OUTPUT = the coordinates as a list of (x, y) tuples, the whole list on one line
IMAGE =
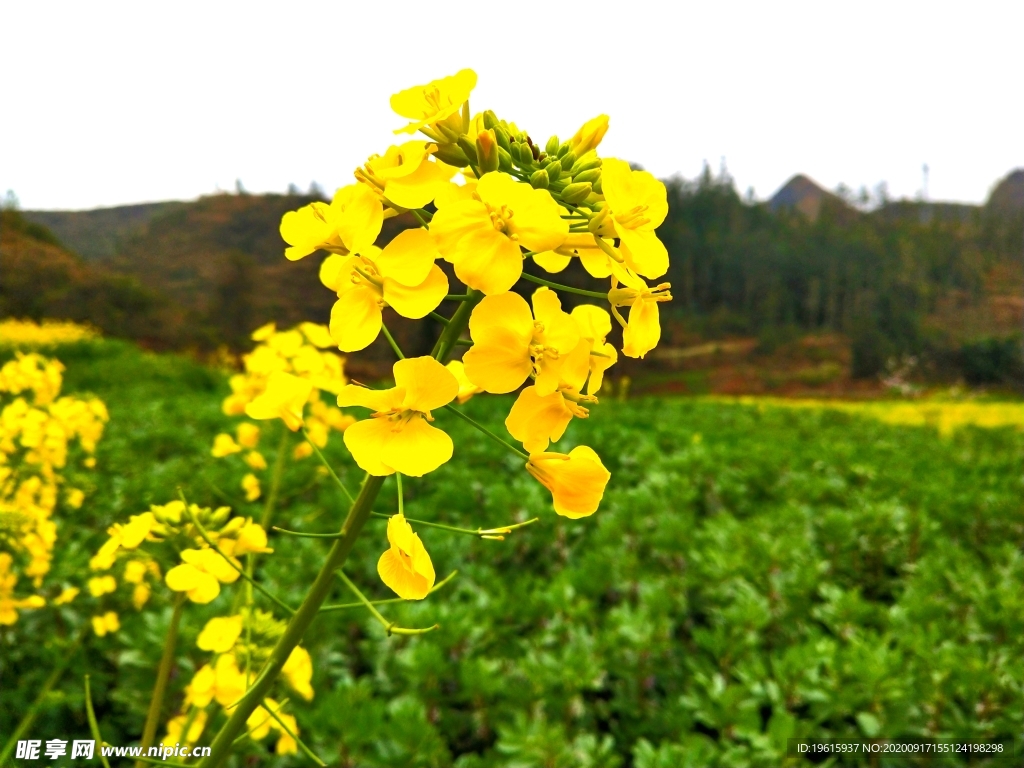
[(275, 478), (297, 626), (456, 325), (30, 716), (163, 673)]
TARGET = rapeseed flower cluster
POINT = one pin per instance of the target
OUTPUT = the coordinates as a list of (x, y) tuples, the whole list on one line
[(48, 333), (39, 431), (487, 198), (285, 373)]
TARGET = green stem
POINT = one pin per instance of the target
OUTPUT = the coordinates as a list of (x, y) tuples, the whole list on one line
[(94, 727), (566, 288), (275, 478), (389, 626), (446, 344), (389, 601), (297, 625), (306, 750), (401, 501), (30, 716), (329, 469), (487, 432), (440, 318), (484, 533), (457, 297), (420, 217), (391, 341), (163, 673)]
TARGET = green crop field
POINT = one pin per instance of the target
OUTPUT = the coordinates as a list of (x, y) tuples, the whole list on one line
[(753, 575)]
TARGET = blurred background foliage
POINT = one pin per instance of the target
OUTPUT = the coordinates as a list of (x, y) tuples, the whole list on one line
[(755, 573), (808, 291)]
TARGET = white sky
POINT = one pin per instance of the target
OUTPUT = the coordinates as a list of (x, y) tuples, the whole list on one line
[(105, 104)]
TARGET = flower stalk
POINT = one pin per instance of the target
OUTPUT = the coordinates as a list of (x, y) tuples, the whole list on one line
[(163, 673)]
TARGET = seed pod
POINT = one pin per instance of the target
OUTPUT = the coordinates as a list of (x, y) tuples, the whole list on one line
[(552, 146), (451, 154), (592, 175), (577, 193), (539, 179), (554, 169), (568, 160)]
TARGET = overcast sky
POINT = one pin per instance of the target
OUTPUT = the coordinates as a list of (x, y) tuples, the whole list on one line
[(105, 104)]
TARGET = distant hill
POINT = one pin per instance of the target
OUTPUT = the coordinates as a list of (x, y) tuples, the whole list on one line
[(804, 195), (95, 234), (1008, 194)]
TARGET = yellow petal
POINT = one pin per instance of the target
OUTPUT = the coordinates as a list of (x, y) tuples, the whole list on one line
[(487, 260), (284, 398), (427, 383), (576, 367), (419, 301), (355, 318), (308, 229), (589, 135), (643, 329), (559, 329), (644, 253), (466, 387), (406, 567), (224, 445), (594, 323), (220, 634), (624, 189), (416, 448), (419, 187), (454, 221), (502, 330), (319, 335), (599, 363), (409, 257), (435, 101), (535, 420), (552, 261), (358, 215), (576, 481), (374, 399), (365, 440), (230, 686)]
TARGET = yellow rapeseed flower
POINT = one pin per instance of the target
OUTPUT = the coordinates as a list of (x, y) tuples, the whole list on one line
[(251, 538), (350, 223), (176, 726), (405, 567), (298, 672), (398, 437), (589, 135), (642, 332), (284, 398), (201, 574), (435, 102), (510, 343), (481, 236), (637, 205), (105, 624), (576, 481), (466, 387), (251, 486), (102, 585), (406, 176), (224, 445), (595, 324), (248, 434), (403, 276)]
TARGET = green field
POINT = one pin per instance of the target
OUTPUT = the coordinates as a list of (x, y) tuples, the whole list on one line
[(753, 575)]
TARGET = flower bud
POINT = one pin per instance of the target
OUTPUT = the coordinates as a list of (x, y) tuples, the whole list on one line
[(592, 175), (585, 163), (521, 154), (504, 160), (490, 120), (554, 169), (568, 160), (487, 151), (468, 149), (219, 515), (552, 146), (597, 187), (562, 149), (539, 179), (452, 155), (577, 193), (502, 136)]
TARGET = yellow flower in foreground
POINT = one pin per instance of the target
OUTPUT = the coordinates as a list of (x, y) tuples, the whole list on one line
[(201, 575), (536, 419), (251, 538), (220, 634), (642, 332), (576, 481), (224, 445), (637, 205), (298, 672), (509, 344), (595, 324), (405, 175), (397, 438), (589, 135), (105, 624), (406, 566), (351, 222), (284, 398), (403, 276), (482, 236), (434, 102), (466, 387), (230, 680), (251, 486)]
